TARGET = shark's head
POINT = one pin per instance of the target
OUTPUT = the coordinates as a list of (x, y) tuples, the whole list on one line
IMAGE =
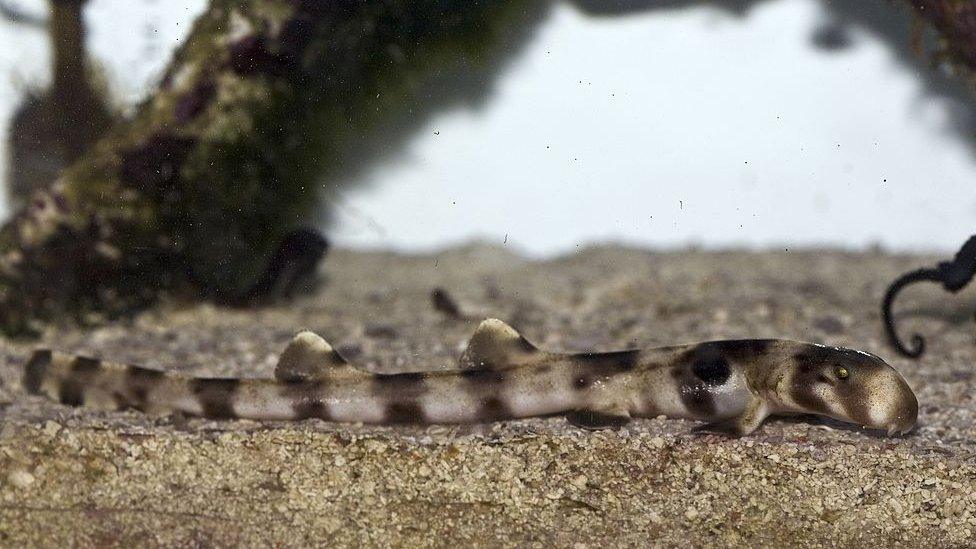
[(851, 386)]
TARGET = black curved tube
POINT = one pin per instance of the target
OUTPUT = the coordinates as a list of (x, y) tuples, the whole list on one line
[(918, 342), (953, 275)]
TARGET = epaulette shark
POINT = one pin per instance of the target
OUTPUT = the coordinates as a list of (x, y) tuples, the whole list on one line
[(732, 385)]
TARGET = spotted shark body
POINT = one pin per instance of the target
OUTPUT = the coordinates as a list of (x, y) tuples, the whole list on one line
[(733, 385)]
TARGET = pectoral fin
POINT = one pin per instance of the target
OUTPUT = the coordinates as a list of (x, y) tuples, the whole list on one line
[(496, 345), (308, 357), (743, 424)]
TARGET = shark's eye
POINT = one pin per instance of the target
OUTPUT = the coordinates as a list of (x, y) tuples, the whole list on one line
[(842, 372)]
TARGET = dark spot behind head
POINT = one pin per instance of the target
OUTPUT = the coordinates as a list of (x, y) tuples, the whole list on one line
[(695, 393), (712, 370)]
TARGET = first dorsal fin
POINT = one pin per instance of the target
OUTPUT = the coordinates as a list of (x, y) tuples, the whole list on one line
[(308, 357), (497, 345)]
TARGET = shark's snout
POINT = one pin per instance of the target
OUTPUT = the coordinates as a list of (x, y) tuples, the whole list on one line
[(897, 411)]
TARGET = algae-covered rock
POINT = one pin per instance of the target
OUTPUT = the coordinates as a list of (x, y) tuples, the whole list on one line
[(224, 158)]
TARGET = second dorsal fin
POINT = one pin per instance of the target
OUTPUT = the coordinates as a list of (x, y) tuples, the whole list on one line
[(308, 356), (497, 345)]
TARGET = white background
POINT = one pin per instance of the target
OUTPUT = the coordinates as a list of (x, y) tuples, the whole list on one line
[(691, 126)]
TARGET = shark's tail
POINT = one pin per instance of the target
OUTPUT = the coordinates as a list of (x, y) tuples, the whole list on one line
[(83, 381)]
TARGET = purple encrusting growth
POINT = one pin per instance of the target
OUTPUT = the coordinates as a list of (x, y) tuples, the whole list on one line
[(195, 101)]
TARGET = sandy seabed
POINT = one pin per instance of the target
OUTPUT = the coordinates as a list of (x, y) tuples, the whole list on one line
[(93, 478)]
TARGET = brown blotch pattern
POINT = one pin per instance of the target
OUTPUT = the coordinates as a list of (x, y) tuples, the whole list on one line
[(311, 408), (139, 382), (494, 409), (72, 390), (392, 387), (216, 397), (482, 377), (742, 349), (404, 412), (307, 399), (121, 401), (36, 370), (484, 386), (608, 364), (809, 367), (803, 394), (592, 367)]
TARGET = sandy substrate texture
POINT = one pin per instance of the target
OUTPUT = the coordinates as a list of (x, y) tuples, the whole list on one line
[(100, 478)]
